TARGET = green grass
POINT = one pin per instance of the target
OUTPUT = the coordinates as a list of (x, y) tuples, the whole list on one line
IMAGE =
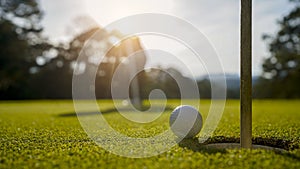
[(46, 134)]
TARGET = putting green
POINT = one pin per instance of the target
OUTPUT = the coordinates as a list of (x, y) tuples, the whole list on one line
[(47, 134)]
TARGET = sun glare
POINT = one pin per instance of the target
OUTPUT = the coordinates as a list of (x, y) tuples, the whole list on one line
[(107, 11)]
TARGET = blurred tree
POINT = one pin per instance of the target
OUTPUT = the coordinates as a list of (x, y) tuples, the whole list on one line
[(167, 80), (54, 70), (19, 34), (158, 78), (281, 77), (127, 57), (204, 88)]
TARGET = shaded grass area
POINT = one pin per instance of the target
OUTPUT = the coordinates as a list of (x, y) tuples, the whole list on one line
[(36, 134), (109, 110)]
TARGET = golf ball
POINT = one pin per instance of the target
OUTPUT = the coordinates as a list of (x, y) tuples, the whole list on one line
[(185, 121)]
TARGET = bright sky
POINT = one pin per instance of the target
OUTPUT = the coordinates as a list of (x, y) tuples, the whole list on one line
[(218, 20)]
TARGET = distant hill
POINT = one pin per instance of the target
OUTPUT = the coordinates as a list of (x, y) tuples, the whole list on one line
[(232, 80), (232, 83)]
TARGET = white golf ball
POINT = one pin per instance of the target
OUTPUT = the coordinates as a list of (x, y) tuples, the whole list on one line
[(185, 121)]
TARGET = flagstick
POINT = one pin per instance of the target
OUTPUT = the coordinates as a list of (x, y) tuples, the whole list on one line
[(246, 74)]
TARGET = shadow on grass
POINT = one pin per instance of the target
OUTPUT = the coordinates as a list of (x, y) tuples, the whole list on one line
[(272, 142), (113, 110), (194, 145)]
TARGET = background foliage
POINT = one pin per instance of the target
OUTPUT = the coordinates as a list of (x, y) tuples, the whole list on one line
[(33, 67)]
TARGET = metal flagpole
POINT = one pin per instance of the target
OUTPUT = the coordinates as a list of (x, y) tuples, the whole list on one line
[(246, 74)]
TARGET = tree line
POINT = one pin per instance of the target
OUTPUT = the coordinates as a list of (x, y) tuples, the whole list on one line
[(33, 67)]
